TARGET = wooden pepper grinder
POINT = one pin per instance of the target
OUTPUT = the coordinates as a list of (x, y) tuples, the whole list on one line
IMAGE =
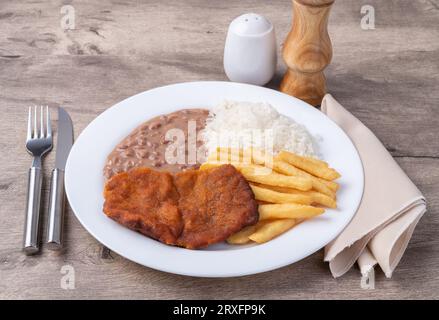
[(307, 51)]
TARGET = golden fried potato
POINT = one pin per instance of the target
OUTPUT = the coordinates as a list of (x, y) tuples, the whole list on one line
[(258, 156), (272, 229), (256, 174), (322, 199), (317, 197), (288, 211), (317, 169), (330, 184), (288, 169), (271, 196), (242, 236), (247, 156)]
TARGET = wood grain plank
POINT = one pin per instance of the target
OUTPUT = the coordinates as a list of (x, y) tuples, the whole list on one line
[(387, 77)]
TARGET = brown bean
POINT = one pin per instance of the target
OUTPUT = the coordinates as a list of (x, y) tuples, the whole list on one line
[(128, 153), (163, 140), (138, 163), (130, 142), (146, 146), (129, 164), (154, 125), (156, 164), (142, 153), (122, 147), (141, 141), (107, 170)]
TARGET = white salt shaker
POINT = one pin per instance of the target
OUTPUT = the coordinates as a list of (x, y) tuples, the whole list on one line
[(250, 50)]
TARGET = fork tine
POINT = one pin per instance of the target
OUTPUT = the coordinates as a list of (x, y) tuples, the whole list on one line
[(49, 126), (41, 122), (35, 134), (29, 124)]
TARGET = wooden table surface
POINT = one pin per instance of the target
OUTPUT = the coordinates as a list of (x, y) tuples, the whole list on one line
[(387, 77)]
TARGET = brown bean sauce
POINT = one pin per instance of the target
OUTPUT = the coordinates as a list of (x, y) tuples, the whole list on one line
[(146, 146)]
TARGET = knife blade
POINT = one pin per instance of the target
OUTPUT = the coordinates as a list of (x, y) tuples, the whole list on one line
[(65, 138), (57, 192)]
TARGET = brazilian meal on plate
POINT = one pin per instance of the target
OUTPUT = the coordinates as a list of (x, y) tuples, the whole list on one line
[(241, 173)]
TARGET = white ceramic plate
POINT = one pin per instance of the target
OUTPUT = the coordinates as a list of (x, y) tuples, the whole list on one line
[(84, 183)]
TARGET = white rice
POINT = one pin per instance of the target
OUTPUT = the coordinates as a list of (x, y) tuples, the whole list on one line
[(247, 124)]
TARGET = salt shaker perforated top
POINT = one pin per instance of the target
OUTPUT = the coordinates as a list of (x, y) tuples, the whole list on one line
[(250, 50)]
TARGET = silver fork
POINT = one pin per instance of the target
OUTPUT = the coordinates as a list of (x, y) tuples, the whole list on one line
[(38, 143)]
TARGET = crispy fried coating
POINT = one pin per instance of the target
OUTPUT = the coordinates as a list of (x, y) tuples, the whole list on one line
[(192, 209)]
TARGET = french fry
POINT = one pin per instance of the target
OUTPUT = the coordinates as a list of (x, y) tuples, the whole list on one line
[(315, 168), (250, 169), (229, 155), (209, 165), (330, 184), (319, 183), (290, 170), (242, 236), (249, 155), (316, 197), (288, 211), (324, 186), (267, 195), (218, 157), (230, 150), (256, 174), (271, 230), (322, 199), (316, 161), (257, 156), (260, 156)]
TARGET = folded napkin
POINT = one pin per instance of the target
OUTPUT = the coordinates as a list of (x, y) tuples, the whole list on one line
[(390, 208)]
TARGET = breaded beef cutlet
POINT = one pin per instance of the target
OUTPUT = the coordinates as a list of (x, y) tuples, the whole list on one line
[(191, 209)]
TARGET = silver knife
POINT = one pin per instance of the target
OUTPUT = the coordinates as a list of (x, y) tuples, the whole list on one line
[(57, 193)]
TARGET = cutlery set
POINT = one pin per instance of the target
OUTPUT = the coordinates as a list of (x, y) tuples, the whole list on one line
[(39, 142)]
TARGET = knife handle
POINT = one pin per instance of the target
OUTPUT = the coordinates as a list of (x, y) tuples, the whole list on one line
[(31, 239), (56, 210)]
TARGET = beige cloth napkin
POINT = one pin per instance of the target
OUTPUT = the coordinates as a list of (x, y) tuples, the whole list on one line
[(390, 208)]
